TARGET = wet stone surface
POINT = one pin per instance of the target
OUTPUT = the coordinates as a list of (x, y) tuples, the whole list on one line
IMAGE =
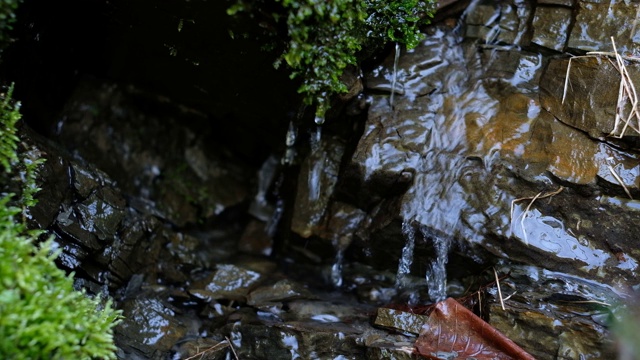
[(476, 162), (158, 153)]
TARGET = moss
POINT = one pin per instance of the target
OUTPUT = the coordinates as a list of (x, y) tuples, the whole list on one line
[(326, 36), (43, 317), (7, 18)]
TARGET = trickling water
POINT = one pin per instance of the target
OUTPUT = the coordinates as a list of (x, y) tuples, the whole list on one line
[(315, 137), (336, 268), (436, 200), (437, 273), (292, 133), (394, 78), (406, 259)]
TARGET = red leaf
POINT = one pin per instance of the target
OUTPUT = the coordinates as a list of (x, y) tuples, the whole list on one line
[(453, 330)]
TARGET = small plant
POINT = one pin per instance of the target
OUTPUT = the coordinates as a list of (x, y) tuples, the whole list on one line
[(41, 315), (326, 36)]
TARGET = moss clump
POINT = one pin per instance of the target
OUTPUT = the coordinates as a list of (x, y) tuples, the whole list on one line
[(7, 17), (326, 36), (41, 315)]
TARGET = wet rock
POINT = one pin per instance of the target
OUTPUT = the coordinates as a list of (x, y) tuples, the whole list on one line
[(467, 187), (597, 21), (255, 240), (590, 100), (227, 282), (318, 177), (152, 328), (503, 22), (283, 290), (401, 320), (168, 165), (323, 329), (552, 316), (201, 348), (551, 27), (511, 68)]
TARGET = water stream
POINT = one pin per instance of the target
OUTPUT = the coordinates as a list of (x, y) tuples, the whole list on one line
[(438, 152), (394, 77)]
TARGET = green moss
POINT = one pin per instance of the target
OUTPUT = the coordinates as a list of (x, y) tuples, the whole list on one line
[(326, 36), (41, 315), (7, 18)]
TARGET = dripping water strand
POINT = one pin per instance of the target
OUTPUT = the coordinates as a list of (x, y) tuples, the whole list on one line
[(336, 268), (394, 76), (437, 273), (406, 258)]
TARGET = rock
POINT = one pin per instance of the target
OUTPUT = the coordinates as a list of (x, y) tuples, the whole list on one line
[(201, 348), (283, 290), (597, 21), (551, 27), (591, 97), (549, 328), (318, 329), (254, 240), (504, 22), (152, 328), (318, 177), (166, 165), (227, 282), (401, 320)]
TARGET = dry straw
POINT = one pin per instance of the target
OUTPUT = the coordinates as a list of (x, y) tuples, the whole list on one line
[(627, 112), (539, 195)]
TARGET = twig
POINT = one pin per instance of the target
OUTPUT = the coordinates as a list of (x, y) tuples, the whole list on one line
[(626, 91), (619, 179), (232, 349), (524, 214), (566, 81), (499, 290), (219, 346)]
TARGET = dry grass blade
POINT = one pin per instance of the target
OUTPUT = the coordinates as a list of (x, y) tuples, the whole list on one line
[(619, 179), (235, 355), (219, 346), (566, 81), (499, 290), (627, 94), (526, 211)]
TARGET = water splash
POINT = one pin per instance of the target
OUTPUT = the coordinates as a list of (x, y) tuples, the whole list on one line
[(394, 77)]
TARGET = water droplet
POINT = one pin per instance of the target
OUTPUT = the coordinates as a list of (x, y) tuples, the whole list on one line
[(319, 120)]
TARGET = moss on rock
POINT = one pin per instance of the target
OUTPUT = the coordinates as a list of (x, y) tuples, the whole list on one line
[(41, 315), (326, 36)]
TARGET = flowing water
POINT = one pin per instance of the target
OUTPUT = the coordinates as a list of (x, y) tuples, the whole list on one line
[(394, 78), (438, 150)]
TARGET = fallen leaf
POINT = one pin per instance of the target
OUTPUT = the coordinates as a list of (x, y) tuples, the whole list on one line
[(454, 332)]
